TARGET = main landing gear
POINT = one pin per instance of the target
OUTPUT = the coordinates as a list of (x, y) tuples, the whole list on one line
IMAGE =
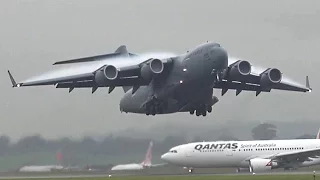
[(155, 107), (201, 110)]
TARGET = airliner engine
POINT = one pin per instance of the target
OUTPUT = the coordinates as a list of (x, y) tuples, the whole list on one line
[(242, 170), (107, 73), (261, 165), (269, 77), (151, 68)]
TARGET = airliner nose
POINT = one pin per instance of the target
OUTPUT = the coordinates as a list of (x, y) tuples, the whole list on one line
[(164, 157)]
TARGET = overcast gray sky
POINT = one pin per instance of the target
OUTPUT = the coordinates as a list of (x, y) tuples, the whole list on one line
[(36, 33)]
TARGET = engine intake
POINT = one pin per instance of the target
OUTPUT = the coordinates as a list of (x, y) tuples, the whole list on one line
[(262, 165), (151, 69), (241, 68), (271, 76), (108, 73)]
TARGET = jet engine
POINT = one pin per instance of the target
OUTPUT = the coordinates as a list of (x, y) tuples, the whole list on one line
[(242, 170), (107, 73), (152, 68), (269, 77), (261, 165), (240, 68)]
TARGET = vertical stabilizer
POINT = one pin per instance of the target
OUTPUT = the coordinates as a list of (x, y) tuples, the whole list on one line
[(59, 157), (148, 157), (318, 134), (122, 50)]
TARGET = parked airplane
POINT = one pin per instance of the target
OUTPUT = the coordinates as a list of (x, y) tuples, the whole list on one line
[(146, 163), (256, 156), (45, 168), (155, 85)]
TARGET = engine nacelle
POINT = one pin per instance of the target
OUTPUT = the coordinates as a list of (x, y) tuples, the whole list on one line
[(108, 73), (151, 69), (241, 68), (243, 170), (262, 165), (271, 76)]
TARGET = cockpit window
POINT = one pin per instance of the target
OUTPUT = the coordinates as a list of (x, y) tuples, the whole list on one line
[(173, 151), (216, 45)]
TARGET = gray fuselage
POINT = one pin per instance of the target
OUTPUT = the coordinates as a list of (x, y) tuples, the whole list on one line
[(188, 83)]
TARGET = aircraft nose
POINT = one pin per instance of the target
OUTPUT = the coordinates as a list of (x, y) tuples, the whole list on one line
[(220, 57), (164, 157)]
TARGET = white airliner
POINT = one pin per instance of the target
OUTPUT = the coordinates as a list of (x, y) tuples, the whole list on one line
[(46, 168), (255, 156), (135, 166)]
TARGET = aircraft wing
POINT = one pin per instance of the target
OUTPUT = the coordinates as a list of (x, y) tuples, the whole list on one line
[(301, 155), (82, 73), (240, 76), (290, 157), (157, 165)]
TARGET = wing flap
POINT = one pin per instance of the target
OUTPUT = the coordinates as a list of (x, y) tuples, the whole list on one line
[(128, 81), (239, 85)]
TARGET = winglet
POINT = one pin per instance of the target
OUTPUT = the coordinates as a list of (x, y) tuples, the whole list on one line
[(308, 84), (14, 84)]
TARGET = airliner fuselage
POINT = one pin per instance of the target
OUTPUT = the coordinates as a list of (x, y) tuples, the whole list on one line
[(244, 153)]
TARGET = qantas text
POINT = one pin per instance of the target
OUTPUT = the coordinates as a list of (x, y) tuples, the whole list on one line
[(217, 146), (231, 146)]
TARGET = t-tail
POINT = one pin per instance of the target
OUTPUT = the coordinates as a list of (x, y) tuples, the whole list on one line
[(148, 157)]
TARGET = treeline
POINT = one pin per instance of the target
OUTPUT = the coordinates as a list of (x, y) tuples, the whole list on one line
[(73, 151), (111, 145), (107, 146)]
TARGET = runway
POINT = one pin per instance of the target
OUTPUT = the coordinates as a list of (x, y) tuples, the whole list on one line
[(119, 175)]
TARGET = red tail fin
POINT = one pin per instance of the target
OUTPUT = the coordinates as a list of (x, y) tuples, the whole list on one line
[(59, 157), (318, 135), (148, 157)]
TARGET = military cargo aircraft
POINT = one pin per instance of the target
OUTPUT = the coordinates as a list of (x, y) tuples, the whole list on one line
[(154, 85)]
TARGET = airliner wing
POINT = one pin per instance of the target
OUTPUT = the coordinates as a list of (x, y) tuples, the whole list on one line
[(258, 80), (157, 165), (81, 73), (301, 155)]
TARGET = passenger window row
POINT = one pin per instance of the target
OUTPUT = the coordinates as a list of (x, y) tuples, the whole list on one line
[(273, 149), (212, 150)]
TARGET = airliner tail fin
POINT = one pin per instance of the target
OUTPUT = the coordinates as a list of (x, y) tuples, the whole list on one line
[(148, 157), (318, 134)]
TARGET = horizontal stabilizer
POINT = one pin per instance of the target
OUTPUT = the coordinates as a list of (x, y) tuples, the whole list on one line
[(120, 51)]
